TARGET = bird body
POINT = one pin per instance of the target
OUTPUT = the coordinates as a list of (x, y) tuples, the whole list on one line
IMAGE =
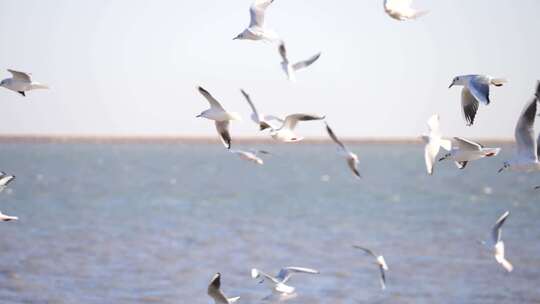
[(290, 68), (278, 283), (285, 133), (7, 218), (21, 82), (256, 29), (466, 150), (250, 156), (401, 10)]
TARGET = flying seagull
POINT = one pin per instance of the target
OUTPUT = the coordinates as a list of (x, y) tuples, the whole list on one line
[(220, 116), (466, 150), (379, 261), (401, 10), (289, 68), (498, 244), (434, 142), (475, 90), (21, 82), (250, 155), (285, 132), (214, 291), (350, 157), (278, 283), (526, 158), (7, 218), (256, 29)]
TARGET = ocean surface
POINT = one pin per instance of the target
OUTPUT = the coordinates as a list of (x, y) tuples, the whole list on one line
[(152, 223)]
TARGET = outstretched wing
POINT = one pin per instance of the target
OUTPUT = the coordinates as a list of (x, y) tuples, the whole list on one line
[(479, 89), (306, 63), (524, 132), (469, 105), (334, 137), (292, 120), (213, 102), (257, 118), (20, 75), (496, 232), (257, 11), (283, 51), (223, 130), (285, 273), (466, 144), (368, 251)]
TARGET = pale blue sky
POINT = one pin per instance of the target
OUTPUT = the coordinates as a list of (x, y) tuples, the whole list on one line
[(130, 67)]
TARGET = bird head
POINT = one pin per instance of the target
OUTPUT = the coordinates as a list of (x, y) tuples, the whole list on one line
[(456, 81)]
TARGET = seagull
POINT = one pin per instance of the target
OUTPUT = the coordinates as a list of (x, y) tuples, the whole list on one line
[(498, 244), (214, 291), (285, 132), (256, 29), (21, 82), (5, 180), (255, 116), (250, 155), (220, 116), (278, 283), (468, 150), (289, 68), (380, 262), (526, 159), (350, 157), (401, 10), (434, 142), (7, 218), (475, 90)]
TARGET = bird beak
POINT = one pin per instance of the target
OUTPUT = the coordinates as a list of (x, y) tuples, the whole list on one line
[(235, 38), (198, 116), (442, 158), (451, 85), (501, 170)]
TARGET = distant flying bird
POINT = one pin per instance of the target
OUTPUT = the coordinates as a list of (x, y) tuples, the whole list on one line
[(434, 142), (7, 218), (214, 291), (466, 150), (350, 157), (278, 283), (379, 261), (5, 180), (401, 10), (21, 82), (250, 155), (285, 133), (475, 90), (289, 68), (256, 29), (526, 159), (498, 244), (220, 116)]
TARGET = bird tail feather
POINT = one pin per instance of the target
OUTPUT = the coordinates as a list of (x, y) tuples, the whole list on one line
[(498, 82)]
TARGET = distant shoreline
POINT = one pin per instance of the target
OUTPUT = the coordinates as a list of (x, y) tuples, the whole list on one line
[(150, 139)]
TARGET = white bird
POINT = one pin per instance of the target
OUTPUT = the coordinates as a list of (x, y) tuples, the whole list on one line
[(289, 68), (380, 262), (278, 283), (21, 82), (434, 142), (214, 291), (401, 10), (526, 159), (466, 150), (475, 90), (350, 157), (498, 244), (285, 132), (5, 180), (256, 29), (220, 116), (250, 155), (7, 218)]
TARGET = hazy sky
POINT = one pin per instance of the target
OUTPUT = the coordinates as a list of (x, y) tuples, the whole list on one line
[(128, 67)]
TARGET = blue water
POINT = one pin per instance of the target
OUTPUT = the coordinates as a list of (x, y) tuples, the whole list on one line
[(134, 223)]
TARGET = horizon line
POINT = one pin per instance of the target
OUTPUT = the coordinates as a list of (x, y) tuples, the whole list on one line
[(138, 138)]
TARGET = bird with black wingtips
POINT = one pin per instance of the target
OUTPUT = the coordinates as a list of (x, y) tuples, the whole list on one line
[(379, 261), (221, 117), (475, 91), (256, 29), (291, 68), (350, 157), (21, 83)]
